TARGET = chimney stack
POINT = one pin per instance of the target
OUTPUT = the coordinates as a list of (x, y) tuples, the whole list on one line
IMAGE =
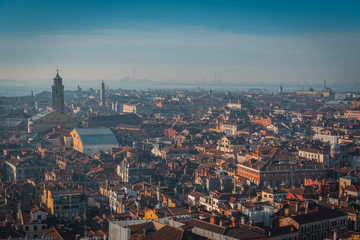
[(287, 213)]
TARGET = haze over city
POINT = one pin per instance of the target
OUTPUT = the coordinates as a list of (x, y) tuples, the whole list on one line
[(179, 120), (197, 43)]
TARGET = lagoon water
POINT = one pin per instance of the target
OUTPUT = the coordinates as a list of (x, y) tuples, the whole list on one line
[(23, 88)]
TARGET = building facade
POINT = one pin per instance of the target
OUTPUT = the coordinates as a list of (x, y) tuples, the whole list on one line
[(18, 170), (265, 174), (49, 119), (65, 203), (321, 224)]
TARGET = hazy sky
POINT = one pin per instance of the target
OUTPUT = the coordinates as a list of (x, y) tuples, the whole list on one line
[(245, 41)]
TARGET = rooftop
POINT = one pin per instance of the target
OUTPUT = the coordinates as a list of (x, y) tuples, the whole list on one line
[(41, 115)]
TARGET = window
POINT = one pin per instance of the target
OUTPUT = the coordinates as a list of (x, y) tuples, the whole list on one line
[(39, 217), (26, 228), (35, 228)]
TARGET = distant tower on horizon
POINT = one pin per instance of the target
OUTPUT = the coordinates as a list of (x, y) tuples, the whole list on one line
[(102, 94), (281, 90), (58, 93)]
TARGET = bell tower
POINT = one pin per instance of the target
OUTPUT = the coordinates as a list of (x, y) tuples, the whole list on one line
[(102, 94), (58, 93)]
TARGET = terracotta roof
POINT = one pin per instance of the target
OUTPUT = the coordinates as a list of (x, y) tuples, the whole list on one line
[(166, 233), (195, 194), (205, 225), (349, 210), (352, 188), (137, 227), (244, 232), (282, 230), (52, 233), (322, 214)]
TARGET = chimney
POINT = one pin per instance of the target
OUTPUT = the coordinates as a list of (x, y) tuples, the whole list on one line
[(212, 220), (242, 220), (335, 235), (296, 207), (221, 222), (144, 233), (306, 204), (287, 212), (233, 224)]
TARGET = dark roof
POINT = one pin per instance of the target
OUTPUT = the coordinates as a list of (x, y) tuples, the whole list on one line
[(205, 225), (167, 232), (244, 232), (323, 214), (136, 227), (130, 119), (282, 231), (352, 188)]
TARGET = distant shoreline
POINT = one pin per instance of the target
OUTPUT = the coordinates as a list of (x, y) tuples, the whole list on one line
[(25, 90)]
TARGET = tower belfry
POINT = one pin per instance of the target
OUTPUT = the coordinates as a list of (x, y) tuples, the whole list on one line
[(58, 93)]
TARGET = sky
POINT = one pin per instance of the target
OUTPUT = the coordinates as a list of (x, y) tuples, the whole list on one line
[(233, 42)]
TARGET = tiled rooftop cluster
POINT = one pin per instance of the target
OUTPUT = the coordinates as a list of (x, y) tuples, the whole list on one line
[(181, 164)]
